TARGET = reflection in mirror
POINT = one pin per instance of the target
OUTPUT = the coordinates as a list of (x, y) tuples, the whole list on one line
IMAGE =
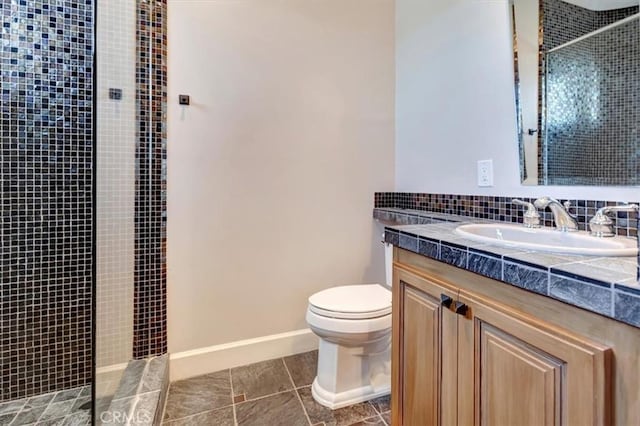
[(577, 81)]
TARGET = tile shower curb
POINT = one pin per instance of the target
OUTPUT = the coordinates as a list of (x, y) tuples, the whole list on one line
[(141, 394), (618, 299)]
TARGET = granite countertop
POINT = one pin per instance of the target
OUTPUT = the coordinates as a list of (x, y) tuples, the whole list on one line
[(605, 285)]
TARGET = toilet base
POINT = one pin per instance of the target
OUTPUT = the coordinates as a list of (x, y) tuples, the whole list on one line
[(350, 374), (343, 399)]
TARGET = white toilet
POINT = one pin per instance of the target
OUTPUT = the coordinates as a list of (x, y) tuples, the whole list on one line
[(354, 357)]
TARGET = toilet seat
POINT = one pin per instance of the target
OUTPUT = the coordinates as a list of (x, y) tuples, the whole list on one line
[(352, 302), (348, 326)]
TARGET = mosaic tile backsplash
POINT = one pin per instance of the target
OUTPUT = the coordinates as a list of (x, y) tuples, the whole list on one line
[(46, 123), (592, 97), (501, 208)]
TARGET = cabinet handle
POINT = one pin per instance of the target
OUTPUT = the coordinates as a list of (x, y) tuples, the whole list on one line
[(445, 301), (461, 308)]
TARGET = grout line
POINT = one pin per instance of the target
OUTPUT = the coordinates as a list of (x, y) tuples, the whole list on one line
[(264, 396), (233, 402), (383, 421), (196, 414), (304, 410), (166, 396), (179, 419), (378, 412), (166, 401)]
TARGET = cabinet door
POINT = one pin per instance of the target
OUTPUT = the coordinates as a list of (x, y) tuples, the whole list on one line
[(516, 370), (424, 353)]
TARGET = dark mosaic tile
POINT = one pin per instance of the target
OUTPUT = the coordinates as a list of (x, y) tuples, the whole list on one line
[(302, 367), (524, 277), (46, 123), (428, 248), (220, 417), (484, 265), (198, 394), (627, 308), (484, 207), (280, 409), (340, 417), (150, 293), (260, 379), (568, 159), (594, 298), (453, 255)]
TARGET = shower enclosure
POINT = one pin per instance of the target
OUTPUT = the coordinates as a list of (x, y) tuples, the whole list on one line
[(82, 232), (590, 138)]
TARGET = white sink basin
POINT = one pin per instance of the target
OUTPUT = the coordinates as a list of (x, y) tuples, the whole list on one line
[(549, 240)]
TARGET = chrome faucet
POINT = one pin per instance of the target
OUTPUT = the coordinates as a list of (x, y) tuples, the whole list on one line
[(563, 220), (530, 218), (601, 225)]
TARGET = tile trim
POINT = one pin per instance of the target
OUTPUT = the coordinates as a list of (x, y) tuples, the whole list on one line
[(392, 236)]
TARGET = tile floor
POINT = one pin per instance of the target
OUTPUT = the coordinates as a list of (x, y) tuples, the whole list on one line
[(270, 393), (69, 407)]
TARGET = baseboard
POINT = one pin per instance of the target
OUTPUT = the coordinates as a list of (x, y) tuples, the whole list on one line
[(242, 352)]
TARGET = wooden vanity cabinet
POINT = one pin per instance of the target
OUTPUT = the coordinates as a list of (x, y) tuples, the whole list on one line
[(464, 358), (423, 353)]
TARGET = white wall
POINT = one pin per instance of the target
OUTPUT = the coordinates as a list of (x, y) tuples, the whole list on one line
[(273, 167), (455, 102)]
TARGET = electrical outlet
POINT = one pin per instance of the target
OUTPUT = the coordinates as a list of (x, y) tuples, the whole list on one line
[(485, 173)]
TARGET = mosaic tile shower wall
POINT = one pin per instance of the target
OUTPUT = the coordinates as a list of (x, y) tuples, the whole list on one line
[(115, 182), (563, 22), (150, 298), (501, 208), (587, 83), (46, 122)]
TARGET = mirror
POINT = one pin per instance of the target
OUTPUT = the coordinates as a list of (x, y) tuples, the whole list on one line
[(577, 83)]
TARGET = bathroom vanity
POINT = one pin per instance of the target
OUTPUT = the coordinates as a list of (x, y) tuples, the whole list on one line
[(472, 349)]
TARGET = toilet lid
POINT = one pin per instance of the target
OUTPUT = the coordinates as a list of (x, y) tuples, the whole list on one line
[(352, 302)]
